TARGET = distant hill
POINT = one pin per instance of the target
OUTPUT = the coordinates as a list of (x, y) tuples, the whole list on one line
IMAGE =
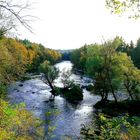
[(65, 51), (65, 54)]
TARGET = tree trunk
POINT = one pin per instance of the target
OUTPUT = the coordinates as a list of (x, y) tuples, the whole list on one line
[(102, 94), (129, 92), (106, 96), (111, 87), (112, 90), (52, 87), (128, 88), (131, 96)]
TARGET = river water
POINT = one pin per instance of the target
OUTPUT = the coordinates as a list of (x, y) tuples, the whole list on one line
[(35, 94)]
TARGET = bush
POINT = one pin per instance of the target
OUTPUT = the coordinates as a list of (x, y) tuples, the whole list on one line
[(16, 123), (116, 128), (25, 78), (73, 94), (3, 90), (90, 88)]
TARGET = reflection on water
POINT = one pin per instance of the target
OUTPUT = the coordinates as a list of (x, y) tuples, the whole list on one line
[(36, 95)]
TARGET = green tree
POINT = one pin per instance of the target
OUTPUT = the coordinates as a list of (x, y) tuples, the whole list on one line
[(75, 58), (51, 73), (65, 78), (132, 81), (135, 54), (101, 65), (107, 66), (131, 7)]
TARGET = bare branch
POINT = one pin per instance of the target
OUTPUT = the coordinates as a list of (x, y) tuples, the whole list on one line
[(11, 14)]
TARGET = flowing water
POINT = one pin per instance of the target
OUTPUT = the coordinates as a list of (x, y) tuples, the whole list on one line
[(35, 94)]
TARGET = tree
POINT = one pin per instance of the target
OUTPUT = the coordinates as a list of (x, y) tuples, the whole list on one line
[(51, 73), (83, 53), (135, 54), (107, 66), (130, 7), (132, 44), (109, 54), (100, 64), (52, 55), (131, 81), (129, 48), (65, 78), (75, 58), (94, 59), (121, 45), (12, 13), (70, 90), (13, 60)]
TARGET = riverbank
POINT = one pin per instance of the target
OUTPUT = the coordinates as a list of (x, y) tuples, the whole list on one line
[(113, 109)]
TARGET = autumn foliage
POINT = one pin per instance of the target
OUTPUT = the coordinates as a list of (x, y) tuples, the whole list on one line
[(16, 123), (17, 57)]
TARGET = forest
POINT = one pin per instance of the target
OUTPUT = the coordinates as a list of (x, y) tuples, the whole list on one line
[(114, 66)]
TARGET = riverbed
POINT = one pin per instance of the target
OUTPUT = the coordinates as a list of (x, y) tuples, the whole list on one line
[(35, 94)]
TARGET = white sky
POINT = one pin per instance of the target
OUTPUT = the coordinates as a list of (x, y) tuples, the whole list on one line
[(68, 24)]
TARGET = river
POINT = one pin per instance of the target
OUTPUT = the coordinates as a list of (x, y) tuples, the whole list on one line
[(35, 94)]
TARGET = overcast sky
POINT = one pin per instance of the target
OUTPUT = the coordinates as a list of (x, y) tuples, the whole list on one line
[(68, 24)]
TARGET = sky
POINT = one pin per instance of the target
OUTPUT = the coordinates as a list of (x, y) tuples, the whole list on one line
[(69, 24)]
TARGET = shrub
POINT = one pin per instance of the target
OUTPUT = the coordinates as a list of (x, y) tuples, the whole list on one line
[(116, 128), (73, 94), (16, 123), (3, 90)]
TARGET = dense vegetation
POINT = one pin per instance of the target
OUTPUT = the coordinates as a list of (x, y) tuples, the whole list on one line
[(16, 123), (114, 67), (116, 128), (20, 56)]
